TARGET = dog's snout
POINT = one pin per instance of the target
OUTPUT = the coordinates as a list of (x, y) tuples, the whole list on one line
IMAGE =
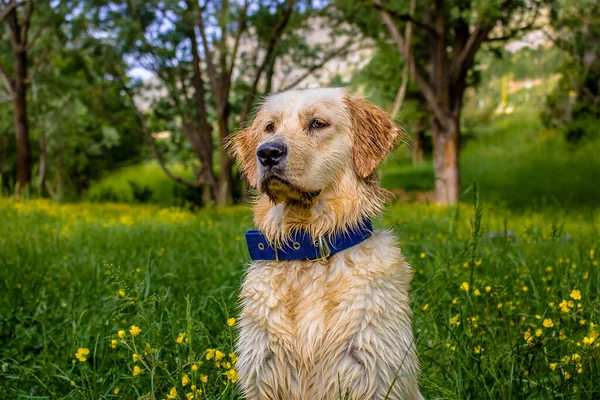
[(271, 153)]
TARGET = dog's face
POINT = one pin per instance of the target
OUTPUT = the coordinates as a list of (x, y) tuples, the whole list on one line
[(301, 142)]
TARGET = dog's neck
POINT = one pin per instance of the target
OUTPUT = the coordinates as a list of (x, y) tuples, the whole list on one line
[(342, 206)]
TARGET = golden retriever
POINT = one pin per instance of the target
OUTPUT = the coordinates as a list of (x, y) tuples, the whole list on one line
[(338, 326)]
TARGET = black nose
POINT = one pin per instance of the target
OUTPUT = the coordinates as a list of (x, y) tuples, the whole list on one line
[(271, 153)]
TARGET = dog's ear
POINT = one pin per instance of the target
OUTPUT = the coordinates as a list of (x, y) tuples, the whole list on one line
[(374, 135), (243, 148)]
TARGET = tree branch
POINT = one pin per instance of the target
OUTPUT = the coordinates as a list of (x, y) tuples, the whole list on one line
[(155, 150), (39, 67), (407, 42), (425, 87), (212, 73), (37, 35), (517, 31), (7, 82), (8, 8), (473, 43), (26, 23), (277, 32), (341, 51), (241, 29), (405, 18)]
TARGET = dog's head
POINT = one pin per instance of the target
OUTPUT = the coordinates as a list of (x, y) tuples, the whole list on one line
[(301, 142)]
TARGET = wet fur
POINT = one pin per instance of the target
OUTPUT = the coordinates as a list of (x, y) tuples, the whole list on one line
[(318, 329)]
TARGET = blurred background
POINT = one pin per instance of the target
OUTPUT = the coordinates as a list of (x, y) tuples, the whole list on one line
[(131, 101)]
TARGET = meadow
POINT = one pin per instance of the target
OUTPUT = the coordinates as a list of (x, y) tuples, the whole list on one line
[(107, 301)]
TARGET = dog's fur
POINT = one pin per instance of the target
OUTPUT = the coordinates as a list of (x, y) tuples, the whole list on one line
[(334, 328)]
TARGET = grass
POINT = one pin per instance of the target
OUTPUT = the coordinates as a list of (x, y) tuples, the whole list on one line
[(120, 185), (517, 164), (505, 303)]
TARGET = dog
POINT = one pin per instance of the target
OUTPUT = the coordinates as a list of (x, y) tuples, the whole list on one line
[(325, 303)]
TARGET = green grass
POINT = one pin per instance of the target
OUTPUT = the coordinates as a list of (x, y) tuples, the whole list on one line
[(72, 276), (517, 164), (117, 186)]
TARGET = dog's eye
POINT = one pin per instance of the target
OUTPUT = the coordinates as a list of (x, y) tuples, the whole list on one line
[(270, 128), (318, 124)]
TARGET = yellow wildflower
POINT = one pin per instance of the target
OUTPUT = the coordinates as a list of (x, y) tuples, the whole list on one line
[(567, 375), (233, 357), (73, 383), (478, 262), (476, 292), (189, 396), (422, 255), (121, 334), (527, 336), (232, 375), (548, 323), (564, 307), (219, 355), (135, 357), (588, 340), (203, 378), (553, 366), (582, 321), (172, 394), (525, 288), (194, 368), (137, 370), (575, 357), (478, 350), (231, 322), (488, 289), (134, 330), (425, 307), (82, 354), (499, 305), (454, 320), (116, 391), (210, 354), (538, 332), (185, 380), (114, 343), (180, 338), (575, 294), (571, 303), (465, 286), (121, 292)]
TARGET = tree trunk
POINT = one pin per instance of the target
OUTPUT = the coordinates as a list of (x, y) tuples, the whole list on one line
[(418, 150), (225, 175), (20, 121), (205, 152), (43, 162), (446, 147)]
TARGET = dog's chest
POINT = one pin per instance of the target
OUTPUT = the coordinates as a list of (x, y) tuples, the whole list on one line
[(307, 307)]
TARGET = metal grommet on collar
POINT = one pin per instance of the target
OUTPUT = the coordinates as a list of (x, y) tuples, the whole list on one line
[(261, 246), (296, 245)]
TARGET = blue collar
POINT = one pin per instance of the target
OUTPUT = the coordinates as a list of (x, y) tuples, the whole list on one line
[(301, 246)]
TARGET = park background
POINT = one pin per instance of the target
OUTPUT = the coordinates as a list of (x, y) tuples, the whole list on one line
[(122, 217)]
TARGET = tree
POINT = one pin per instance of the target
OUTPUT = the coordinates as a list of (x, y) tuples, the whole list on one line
[(574, 105), (446, 37), (17, 16), (212, 61)]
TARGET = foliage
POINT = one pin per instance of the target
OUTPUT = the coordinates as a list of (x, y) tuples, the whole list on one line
[(574, 106), (76, 275)]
